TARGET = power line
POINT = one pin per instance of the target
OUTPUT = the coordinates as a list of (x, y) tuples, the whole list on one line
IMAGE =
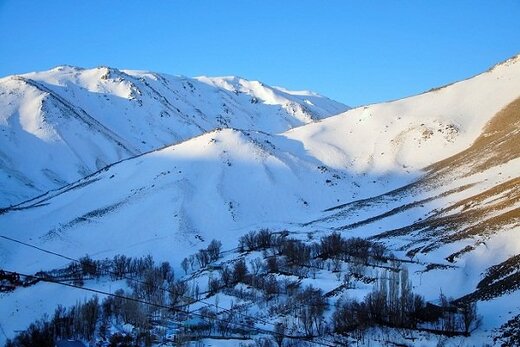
[(149, 303), (111, 272), (142, 301), (38, 248), (137, 281)]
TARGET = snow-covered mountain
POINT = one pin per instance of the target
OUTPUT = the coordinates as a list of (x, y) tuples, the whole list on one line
[(434, 177), (60, 125), (412, 133), (231, 179)]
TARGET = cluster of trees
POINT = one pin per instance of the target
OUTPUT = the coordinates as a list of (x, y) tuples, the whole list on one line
[(152, 281), (38, 333), (157, 284), (455, 318), (310, 304), (260, 240), (260, 274), (85, 268), (298, 254), (121, 267), (334, 246), (393, 304), (147, 281), (203, 257), (87, 320), (125, 311), (231, 322), (78, 322), (268, 285), (282, 255)]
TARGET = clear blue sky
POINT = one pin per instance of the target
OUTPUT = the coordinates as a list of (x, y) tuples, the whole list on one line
[(357, 52)]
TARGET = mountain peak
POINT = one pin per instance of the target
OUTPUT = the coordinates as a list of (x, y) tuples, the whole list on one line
[(509, 61)]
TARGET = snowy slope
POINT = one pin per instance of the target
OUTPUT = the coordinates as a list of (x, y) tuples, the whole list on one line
[(60, 125), (411, 133), (227, 181), (434, 176), (223, 182), (456, 223)]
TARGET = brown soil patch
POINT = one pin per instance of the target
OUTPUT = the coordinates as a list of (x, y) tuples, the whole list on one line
[(498, 144)]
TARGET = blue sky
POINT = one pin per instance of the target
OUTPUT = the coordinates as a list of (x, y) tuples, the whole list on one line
[(357, 52)]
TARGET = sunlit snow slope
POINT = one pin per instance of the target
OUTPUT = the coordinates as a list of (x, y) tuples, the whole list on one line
[(414, 132)]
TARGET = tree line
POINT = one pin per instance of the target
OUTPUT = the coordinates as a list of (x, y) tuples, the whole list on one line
[(272, 280)]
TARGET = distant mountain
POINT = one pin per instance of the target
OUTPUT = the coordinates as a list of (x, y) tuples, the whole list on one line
[(60, 125)]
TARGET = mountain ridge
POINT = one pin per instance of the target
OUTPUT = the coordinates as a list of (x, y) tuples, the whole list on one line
[(127, 112)]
